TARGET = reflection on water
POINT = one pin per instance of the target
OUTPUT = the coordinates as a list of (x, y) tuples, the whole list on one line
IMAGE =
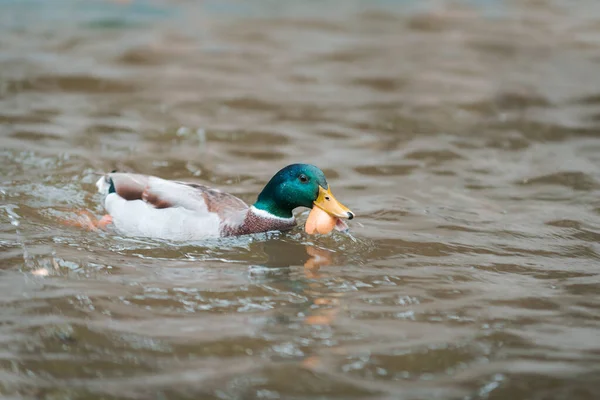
[(464, 135)]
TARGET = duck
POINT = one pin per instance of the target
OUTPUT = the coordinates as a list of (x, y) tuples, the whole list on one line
[(153, 207)]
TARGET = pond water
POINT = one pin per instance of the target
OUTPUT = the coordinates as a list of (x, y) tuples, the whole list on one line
[(464, 135)]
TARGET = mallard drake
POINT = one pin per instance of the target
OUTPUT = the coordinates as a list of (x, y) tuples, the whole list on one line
[(148, 206)]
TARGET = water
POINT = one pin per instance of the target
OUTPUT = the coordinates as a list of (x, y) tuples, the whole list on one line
[(463, 135)]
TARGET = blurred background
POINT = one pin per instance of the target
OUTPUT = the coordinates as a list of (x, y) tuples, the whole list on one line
[(463, 134)]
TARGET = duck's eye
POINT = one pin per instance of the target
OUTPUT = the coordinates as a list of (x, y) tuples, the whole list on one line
[(303, 178)]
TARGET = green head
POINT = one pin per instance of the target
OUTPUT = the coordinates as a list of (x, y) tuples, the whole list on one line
[(299, 185)]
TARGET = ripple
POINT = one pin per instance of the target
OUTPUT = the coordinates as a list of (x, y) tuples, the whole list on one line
[(380, 84), (386, 170), (69, 84), (435, 156), (574, 180)]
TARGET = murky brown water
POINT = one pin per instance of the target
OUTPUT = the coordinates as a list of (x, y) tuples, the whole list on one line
[(464, 135)]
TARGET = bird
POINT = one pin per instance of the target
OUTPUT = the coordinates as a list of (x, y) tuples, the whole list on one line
[(152, 207)]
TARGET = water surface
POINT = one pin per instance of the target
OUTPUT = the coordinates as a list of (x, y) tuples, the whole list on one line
[(464, 135)]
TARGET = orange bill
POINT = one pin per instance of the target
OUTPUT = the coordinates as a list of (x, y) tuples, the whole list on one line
[(331, 206)]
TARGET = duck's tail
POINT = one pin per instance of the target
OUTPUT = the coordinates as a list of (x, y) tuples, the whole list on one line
[(106, 185)]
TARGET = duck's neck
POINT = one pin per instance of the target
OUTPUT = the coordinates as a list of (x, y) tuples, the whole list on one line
[(270, 208), (270, 202), (268, 215), (257, 220)]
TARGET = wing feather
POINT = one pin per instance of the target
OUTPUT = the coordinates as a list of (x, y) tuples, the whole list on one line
[(162, 193)]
